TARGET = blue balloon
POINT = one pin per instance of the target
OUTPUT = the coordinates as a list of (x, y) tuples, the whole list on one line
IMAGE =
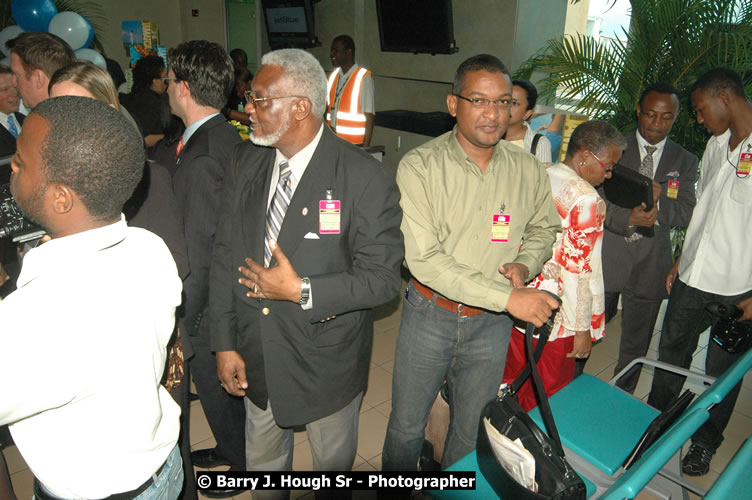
[(72, 28), (93, 56), (91, 34), (8, 33), (33, 15)]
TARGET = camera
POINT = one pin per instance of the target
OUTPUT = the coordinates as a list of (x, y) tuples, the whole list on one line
[(733, 336), (13, 224)]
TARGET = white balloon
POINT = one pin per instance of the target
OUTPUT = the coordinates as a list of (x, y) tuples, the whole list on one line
[(93, 56), (8, 33), (71, 27)]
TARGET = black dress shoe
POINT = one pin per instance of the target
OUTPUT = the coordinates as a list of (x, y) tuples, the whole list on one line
[(221, 493), (208, 458)]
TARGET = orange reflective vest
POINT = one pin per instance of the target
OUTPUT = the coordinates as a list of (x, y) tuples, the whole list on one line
[(350, 121)]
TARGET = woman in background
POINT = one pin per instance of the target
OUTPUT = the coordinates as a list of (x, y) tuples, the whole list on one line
[(519, 133), (153, 205), (235, 108)]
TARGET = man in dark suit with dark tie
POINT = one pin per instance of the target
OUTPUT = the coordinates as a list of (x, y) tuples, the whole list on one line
[(200, 79), (634, 265), (308, 243)]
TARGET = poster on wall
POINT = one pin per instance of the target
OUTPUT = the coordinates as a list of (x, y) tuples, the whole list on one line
[(141, 39), (132, 34)]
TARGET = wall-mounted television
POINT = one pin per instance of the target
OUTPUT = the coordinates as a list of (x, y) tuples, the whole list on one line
[(290, 24), (417, 26)]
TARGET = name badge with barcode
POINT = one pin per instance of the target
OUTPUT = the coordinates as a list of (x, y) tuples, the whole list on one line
[(329, 217)]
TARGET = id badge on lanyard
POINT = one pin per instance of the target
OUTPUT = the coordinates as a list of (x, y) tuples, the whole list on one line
[(500, 224), (329, 215), (745, 165)]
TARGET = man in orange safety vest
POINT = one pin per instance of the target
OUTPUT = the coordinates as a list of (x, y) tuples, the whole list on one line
[(350, 103)]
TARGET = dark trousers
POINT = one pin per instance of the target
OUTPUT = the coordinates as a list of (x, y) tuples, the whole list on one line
[(638, 316), (686, 318), (224, 413), (180, 395)]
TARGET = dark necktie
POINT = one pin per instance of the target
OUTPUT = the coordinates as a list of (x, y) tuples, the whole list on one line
[(646, 169)]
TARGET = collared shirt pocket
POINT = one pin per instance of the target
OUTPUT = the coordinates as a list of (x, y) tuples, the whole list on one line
[(741, 190)]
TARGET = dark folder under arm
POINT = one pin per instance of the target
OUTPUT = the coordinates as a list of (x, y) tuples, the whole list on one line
[(628, 189)]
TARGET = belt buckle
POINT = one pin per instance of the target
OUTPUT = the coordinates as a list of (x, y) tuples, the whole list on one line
[(459, 311)]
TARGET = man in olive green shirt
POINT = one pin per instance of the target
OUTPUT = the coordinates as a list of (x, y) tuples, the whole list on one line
[(479, 220)]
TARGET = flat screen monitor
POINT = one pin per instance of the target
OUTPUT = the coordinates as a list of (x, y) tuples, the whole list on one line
[(417, 26), (290, 24)]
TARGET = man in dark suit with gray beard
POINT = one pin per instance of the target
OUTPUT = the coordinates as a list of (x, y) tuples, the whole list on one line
[(310, 227)]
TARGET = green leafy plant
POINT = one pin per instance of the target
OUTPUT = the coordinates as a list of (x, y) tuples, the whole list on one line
[(673, 41)]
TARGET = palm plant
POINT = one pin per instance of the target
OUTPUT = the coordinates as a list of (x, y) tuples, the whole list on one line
[(90, 10), (672, 41)]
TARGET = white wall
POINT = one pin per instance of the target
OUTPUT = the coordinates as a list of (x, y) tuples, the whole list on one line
[(173, 18), (510, 29)]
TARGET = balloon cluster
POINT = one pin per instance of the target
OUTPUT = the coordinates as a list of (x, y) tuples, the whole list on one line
[(42, 15)]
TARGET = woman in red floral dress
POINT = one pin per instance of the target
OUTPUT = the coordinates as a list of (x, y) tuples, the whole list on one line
[(574, 273)]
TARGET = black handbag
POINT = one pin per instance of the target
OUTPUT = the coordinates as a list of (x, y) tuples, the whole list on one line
[(556, 479)]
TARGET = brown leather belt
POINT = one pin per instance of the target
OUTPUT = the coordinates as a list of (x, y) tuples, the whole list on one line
[(445, 303)]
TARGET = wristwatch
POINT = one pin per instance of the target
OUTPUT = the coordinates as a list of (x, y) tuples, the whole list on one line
[(305, 290)]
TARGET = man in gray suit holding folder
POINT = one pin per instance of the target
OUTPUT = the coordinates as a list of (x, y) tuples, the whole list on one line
[(634, 265), (308, 243)]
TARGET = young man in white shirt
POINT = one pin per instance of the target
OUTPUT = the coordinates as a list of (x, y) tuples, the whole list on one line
[(85, 334), (714, 266)]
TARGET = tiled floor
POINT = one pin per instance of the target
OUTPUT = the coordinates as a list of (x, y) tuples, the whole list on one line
[(377, 405)]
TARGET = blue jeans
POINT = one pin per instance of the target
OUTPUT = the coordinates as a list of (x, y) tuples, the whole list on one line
[(435, 344), (168, 484)]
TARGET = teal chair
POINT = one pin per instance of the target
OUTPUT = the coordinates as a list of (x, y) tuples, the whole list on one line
[(600, 424), (736, 479), (629, 484)]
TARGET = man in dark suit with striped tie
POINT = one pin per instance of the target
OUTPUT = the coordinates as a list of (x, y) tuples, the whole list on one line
[(635, 265), (313, 224), (199, 80)]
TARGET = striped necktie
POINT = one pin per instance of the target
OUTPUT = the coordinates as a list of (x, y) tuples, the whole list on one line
[(12, 126), (277, 209), (646, 169), (179, 149)]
